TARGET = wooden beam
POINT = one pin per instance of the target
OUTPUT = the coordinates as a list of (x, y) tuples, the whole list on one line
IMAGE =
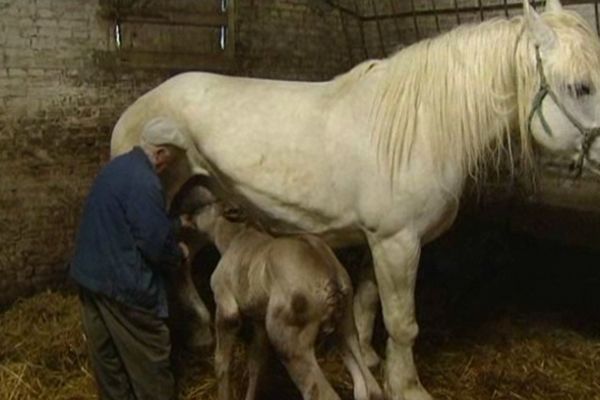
[(470, 9), (231, 28)]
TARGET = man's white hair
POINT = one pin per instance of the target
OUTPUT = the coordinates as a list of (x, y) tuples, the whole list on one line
[(160, 131)]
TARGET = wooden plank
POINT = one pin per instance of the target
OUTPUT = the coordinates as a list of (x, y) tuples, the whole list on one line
[(180, 19), (131, 59)]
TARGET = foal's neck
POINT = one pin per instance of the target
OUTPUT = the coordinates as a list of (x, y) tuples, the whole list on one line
[(226, 231)]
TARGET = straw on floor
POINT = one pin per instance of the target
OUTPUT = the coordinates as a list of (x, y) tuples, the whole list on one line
[(42, 356)]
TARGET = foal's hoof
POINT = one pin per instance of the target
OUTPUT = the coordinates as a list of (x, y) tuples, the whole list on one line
[(201, 341), (417, 394), (372, 359)]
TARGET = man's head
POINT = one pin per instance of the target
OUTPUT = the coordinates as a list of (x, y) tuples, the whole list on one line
[(163, 141)]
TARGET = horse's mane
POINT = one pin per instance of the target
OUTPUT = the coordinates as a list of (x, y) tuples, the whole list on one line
[(468, 82), (460, 79)]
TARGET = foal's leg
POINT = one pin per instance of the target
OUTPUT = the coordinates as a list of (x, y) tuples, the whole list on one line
[(227, 324), (366, 301), (189, 298), (365, 385), (258, 352), (396, 260), (294, 343)]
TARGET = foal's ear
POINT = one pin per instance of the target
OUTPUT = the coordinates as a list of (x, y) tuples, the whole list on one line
[(542, 35), (233, 213), (553, 5)]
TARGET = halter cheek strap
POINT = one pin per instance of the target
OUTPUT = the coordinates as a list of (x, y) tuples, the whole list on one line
[(589, 134)]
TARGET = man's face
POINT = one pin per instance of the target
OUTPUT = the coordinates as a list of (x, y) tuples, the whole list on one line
[(163, 157)]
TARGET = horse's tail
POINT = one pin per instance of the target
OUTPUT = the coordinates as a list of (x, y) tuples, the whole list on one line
[(128, 128)]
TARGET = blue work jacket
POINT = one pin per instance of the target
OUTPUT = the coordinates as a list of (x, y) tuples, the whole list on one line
[(126, 241)]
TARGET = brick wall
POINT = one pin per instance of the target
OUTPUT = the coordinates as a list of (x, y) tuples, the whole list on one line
[(58, 104)]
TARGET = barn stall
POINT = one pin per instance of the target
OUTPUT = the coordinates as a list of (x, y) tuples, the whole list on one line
[(507, 299)]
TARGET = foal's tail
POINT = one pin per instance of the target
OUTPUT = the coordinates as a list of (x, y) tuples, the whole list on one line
[(337, 287), (336, 297)]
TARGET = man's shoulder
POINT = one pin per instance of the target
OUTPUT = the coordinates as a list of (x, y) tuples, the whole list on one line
[(131, 164), (125, 172)]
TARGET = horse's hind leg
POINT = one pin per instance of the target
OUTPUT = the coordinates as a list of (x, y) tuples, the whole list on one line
[(294, 345), (258, 352)]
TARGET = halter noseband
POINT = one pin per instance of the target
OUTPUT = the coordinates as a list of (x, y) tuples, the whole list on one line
[(589, 134)]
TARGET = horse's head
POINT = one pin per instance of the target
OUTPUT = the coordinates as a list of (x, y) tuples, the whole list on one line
[(563, 105)]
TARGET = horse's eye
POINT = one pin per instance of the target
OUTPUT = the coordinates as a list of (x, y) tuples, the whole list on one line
[(579, 90)]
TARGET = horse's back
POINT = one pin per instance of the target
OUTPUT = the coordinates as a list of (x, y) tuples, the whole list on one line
[(206, 102)]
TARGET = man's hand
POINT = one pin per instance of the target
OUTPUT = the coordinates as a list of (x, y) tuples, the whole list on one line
[(185, 251)]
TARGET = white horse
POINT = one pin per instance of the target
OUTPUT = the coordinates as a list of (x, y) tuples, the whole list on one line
[(381, 153)]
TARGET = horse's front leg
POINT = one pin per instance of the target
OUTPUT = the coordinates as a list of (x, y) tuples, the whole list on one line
[(396, 259)]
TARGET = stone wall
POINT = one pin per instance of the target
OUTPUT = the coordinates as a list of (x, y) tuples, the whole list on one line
[(61, 91), (287, 39), (63, 84)]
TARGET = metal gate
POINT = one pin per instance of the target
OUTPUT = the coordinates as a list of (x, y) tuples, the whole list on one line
[(377, 28)]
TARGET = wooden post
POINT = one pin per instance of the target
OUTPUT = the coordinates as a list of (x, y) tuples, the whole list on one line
[(437, 17), (414, 15), (362, 32), (378, 24), (231, 31)]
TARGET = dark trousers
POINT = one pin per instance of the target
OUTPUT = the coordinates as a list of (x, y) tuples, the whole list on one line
[(129, 350)]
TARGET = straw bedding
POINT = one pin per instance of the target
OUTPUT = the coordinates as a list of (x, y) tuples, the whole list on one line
[(516, 332), (42, 356)]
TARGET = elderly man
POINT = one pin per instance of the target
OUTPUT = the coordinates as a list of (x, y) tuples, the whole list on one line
[(125, 246)]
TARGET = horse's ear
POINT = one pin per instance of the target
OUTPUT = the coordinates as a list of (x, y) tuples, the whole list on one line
[(542, 35), (553, 5)]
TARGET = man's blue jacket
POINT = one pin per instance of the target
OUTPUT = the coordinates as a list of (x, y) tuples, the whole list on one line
[(126, 241)]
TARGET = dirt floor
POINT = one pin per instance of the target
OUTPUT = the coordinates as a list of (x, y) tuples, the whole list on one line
[(501, 318)]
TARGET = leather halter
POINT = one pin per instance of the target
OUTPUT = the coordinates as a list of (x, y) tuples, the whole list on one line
[(589, 134)]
